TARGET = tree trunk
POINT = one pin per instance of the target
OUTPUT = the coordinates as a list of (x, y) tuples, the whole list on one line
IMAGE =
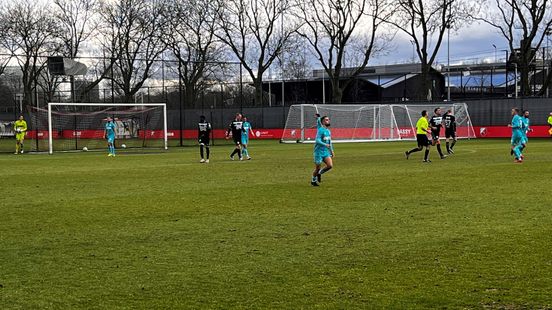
[(523, 71), (258, 83), (190, 95), (425, 93), (337, 92)]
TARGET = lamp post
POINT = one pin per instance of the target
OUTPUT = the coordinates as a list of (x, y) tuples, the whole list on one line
[(545, 59), (449, 25)]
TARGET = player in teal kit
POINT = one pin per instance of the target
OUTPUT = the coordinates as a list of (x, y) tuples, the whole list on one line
[(109, 134), (246, 129), (524, 130), (323, 151), (517, 135)]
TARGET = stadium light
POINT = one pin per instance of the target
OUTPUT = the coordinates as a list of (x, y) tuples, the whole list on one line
[(449, 24)]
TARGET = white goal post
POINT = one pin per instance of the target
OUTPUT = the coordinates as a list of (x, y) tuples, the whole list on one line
[(369, 122), (90, 116)]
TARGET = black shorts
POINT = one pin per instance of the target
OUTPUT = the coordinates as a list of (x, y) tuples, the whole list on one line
[(237, 141), (434, 136), (422, 140), (204, 140), (449, 133)]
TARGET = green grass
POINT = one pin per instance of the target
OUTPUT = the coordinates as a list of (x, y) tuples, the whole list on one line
[(148, 231)]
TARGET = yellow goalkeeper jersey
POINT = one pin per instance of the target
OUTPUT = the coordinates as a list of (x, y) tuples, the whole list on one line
[(21, 125)]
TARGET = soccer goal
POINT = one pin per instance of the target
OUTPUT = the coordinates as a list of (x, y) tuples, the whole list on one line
[(370, 122), (80, 126)]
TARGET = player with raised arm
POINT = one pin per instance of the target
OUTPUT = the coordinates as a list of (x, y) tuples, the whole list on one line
[(318, 121), (516, 124), (204, 137), (422, 129), (20, 128), (450, 130), (323, 151), (245, 137), (109, 134), (236, 128), (436, 122)]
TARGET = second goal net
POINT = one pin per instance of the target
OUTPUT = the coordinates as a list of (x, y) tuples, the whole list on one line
[(370, 122)]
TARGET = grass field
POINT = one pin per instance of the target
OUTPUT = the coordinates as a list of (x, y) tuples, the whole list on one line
[(160, 230)]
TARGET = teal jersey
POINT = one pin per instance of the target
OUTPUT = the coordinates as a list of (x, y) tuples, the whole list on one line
[(323, 137), (318, 122), (517, 125), (246, 127), (110, 129), (525, 125)]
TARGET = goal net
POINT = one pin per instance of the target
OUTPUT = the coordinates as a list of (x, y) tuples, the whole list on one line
[(370, 122), (80, 126)]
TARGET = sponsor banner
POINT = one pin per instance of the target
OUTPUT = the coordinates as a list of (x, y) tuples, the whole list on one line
[(221, 134), (41, 134), (310, 134), (506, 132)]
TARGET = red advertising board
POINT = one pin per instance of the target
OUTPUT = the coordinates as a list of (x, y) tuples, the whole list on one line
[(337, 133)]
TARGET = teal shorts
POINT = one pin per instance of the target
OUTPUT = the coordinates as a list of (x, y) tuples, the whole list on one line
[(516, 138), (319, 157)]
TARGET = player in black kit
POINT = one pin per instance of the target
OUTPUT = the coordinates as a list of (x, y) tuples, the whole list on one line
[(203, 137), (236, 128), (435, 123), (449, 121)]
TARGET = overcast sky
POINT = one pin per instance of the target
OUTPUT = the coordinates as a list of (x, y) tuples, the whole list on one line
[(471, 44)]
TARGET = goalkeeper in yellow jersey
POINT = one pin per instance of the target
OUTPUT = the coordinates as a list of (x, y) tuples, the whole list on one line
[(20, 128)]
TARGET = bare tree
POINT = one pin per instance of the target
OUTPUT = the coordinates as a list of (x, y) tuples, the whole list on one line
[(252, 30), (29, 32), (193, 44), (80, 23), (133, 40), (296, 62), (334, 29), (426, 22), (526, 22)]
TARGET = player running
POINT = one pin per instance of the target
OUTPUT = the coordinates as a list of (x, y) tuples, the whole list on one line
[(450, 130), (20, 128), (109, 134), (524, 131), (323, 151), (203, 137), (236, 128), (422, 129), (436, 122), (516, 125), (245, 137)]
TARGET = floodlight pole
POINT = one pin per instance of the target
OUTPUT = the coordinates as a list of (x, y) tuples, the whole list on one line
[(180, 100), (448, 58), (241, 88), (324, 86), (282, 56)]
